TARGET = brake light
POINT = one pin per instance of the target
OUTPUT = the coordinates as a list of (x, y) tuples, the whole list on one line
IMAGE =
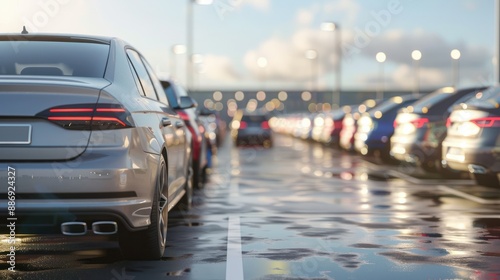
[(89, 116), (243, 125), (448, 122), (419, 123), (264, 125), (487, 122), (184, 116), (337, 125)]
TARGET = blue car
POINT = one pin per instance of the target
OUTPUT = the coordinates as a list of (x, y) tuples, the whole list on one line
[(376, 127)]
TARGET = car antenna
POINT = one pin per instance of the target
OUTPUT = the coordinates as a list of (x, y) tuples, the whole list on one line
[(24, 30)]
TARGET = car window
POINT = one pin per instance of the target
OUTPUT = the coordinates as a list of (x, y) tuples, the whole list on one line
[(489, 98), (171, 95), (53, 58), (142, 73), (156, 82)]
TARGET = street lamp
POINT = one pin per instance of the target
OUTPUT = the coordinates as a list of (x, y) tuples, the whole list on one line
[(197, 62), (335, 27), (416, 55), (189, 47), (262, 63), (312, 55), (455, 56), (176, 50), (381, 59)]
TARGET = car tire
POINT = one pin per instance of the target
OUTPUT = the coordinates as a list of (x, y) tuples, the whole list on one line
[(487, 180), (197, 182), (149, 244), (186, 202), (204, 175)]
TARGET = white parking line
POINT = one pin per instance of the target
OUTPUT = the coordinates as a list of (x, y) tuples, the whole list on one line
[(234, 263), (468, 196)]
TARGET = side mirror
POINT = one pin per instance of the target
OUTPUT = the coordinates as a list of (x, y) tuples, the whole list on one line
[(187, 102)]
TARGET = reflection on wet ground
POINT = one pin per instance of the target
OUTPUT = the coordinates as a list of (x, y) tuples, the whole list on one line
[(305, 212)]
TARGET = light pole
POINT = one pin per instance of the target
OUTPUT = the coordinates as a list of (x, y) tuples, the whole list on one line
[(381, 59), (416, 55), (262, 63), (197, 61), (335, 27), (455, 56), (176, 50), (189, 44), (312, 55)]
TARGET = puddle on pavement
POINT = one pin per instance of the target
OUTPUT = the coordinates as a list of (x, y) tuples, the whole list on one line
[(179, 272), (370, 176)]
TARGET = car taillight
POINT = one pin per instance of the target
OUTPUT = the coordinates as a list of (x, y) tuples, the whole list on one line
[(419, 123), (264, 125), (184, 116), (487, 122), (448, 122), (89, 116), (243, 125), (337, 125)]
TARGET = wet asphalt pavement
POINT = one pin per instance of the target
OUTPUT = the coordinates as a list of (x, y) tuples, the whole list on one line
[(298, 211)]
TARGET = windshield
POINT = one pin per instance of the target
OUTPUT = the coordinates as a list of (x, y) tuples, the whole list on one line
[(53, 58)]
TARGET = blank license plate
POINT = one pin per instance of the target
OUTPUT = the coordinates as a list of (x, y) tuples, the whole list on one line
[(15, 134), (455, 154)]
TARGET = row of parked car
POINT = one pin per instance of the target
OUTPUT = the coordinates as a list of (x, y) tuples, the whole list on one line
[(449, 131), (91, 141)]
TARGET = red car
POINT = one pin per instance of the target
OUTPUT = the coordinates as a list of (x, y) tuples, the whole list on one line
[(179, 99)]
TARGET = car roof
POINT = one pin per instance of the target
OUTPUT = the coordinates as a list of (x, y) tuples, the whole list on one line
[(55, 37)]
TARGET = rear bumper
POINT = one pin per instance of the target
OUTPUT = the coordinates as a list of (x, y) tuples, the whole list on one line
[(405, 149), (253, 137), (468, 158), (111, 182)]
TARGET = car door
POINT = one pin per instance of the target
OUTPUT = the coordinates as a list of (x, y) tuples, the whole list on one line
[(169, 126), (180, 131)]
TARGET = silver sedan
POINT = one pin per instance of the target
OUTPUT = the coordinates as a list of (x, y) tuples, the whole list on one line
[(88, 142)]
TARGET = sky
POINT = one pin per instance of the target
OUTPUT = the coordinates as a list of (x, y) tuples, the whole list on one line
[(231, 35)]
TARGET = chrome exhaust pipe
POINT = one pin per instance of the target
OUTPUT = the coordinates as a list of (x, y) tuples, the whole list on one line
[(74, 228), (105, 227), (476, 169)]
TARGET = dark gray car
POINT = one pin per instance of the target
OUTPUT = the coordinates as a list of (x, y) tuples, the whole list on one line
[(89, 140), (472, 141)]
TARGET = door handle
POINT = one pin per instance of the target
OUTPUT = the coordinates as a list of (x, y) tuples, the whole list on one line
[(166, 122), (179, 124)]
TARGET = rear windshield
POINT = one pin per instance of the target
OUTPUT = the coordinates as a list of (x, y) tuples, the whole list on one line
[(254, 118), (489, 98), (426, 103), (53, 58), (393, 103)]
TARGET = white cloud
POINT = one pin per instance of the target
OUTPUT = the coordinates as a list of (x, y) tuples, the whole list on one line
[(219, 68), (348, 9), (404, 77), (286, 57), (258, 4), (305, 17), (435, 50), (287, 62)]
